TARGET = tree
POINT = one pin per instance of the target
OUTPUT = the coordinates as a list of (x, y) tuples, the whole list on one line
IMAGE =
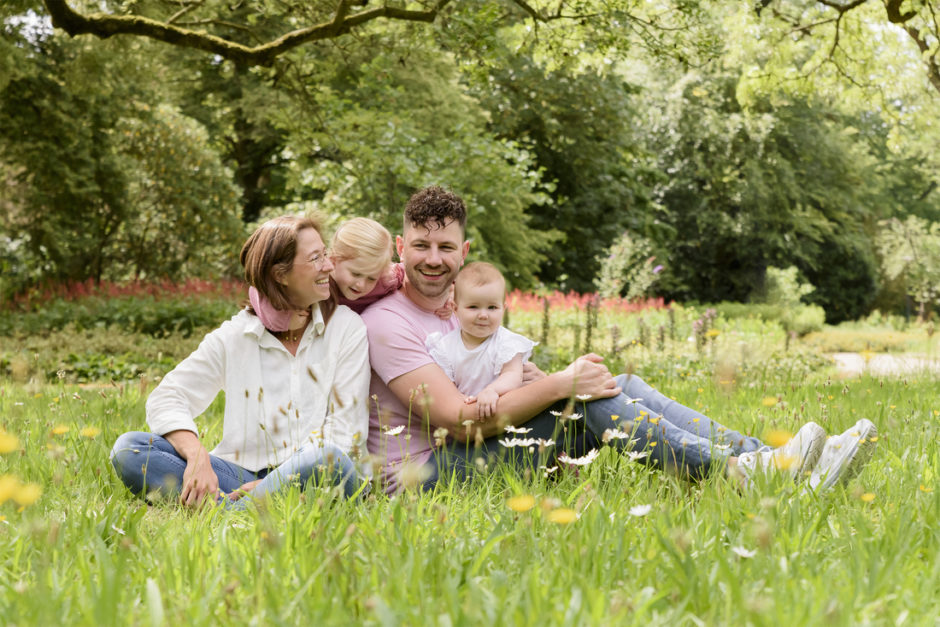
[(366, 130), (577, 124), (910, 249), (838, 22), (750, 187), (101, 184)]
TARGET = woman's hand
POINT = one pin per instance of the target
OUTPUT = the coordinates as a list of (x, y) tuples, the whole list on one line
[(243, 490), (200, 483)]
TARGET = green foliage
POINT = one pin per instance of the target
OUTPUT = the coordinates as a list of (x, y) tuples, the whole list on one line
[(912, 249), (627, 268), (100, 184), (575, 122), (801, 319), (847, 340), (751, 187), (151, 316), (408, 127), (783, 287)]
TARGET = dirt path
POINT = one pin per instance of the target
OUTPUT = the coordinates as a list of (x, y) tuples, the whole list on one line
[(884, 364)]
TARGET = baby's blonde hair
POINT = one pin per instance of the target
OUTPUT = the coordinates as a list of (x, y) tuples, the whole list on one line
[(363, 238), (478, 273)]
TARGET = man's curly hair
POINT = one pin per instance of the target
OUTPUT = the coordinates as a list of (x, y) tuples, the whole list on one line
[(435, 205)]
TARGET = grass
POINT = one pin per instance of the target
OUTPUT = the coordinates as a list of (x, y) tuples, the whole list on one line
[(86, 552)]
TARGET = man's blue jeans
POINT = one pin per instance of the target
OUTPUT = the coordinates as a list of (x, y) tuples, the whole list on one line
[(671, 435), (146, 462)]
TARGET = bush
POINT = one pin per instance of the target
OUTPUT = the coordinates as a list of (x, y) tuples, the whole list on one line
[(801, 319), (147, 315), (857, 341)]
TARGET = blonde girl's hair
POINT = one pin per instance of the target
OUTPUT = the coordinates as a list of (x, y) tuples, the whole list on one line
[(268, 255), (363, 238), (478, 273)]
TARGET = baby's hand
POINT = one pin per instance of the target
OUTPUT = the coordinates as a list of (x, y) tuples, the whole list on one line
[(446, 310), (486, 403)]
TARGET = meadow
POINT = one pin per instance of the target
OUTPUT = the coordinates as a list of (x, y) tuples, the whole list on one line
[(613, 542)]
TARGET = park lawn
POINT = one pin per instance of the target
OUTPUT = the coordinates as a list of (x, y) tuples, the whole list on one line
[(610, 543)]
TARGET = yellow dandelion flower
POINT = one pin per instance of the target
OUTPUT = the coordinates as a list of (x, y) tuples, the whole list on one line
[(60, 429), (892, 406), (614, 417), (783, 462), (27, 494), (936, 412), (712, 333), (90, 432), (562, 516), (868, 497), (700, 390), (696, 419), (8, 487), (521, 503), (655, 420), (924, 488), (652, 443), (777, 437), (643, 413), (638, 418), (37, 395), (769, 401), (8, 442), (873, 438)]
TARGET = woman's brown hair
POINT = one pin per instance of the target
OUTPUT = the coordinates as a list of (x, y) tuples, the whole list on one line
[(268, 256)]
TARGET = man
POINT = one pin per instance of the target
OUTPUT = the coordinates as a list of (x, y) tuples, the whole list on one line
[(419, 422)]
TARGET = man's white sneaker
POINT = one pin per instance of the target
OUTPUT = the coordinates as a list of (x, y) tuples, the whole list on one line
[(844, 455), (797, 457)]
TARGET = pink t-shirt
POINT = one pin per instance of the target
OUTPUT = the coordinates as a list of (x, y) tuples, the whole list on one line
[(389, 282), (397, 329)]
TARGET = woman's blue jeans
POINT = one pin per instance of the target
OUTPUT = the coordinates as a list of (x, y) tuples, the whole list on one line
[(146, 462), (671, 435)]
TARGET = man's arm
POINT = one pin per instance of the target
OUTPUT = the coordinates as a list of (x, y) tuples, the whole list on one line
[(433, 396)]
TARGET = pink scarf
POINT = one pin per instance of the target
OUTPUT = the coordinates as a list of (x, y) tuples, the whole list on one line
[(272, 319)]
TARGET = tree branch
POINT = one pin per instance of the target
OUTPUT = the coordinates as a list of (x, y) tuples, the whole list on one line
[(104, 26), (893, 9)]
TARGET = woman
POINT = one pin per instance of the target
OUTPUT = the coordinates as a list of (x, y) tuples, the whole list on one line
[(295, 371)]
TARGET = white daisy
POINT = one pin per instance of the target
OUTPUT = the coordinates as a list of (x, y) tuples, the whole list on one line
[(640, 510), (512, 429), (614, 434), (634, 456), (579, 461), (629, 401), (394, 431), (583, 397), (518, 442), (740, 551)]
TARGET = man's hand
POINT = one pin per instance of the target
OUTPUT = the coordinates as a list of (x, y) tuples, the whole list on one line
[(590, 378), (199, 481), (243, 490)]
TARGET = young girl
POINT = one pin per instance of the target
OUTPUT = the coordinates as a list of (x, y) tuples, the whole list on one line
[(363, 271), (483, 358)]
